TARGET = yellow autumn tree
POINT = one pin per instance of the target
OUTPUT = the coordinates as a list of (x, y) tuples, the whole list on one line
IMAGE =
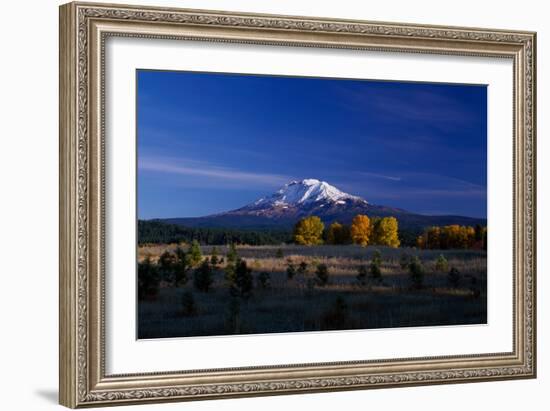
[(448, 237), (338, 234), (360, 230), (309, 231), (332, 233), (433, 238), (385, 232)]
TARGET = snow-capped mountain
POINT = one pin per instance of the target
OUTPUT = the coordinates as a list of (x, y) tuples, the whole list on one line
[(304, 192), (307, 197), (301, 198)]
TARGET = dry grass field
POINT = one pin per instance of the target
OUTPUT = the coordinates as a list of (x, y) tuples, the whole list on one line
[(302, 304)]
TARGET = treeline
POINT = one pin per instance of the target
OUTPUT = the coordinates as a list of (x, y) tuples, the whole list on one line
[(362, 231), (158, 232), (311, 230), (453, 236)]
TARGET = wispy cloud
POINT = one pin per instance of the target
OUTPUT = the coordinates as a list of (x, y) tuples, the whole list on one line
[(189, 167), (380, 176)]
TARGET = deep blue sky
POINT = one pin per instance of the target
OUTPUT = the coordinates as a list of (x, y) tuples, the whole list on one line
[(214, 142)]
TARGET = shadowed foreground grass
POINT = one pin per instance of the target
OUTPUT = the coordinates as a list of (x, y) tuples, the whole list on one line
[(302, 305)]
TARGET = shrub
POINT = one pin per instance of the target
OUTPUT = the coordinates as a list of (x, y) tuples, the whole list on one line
[(416, 272), (362, 272), (166, 266), (194, 253), (375, 272), (202, 279), (454, 277), (229, 273), (181, 266), (264, 279), (188, 306), (166, 260), (404, 261), (148, 279), (243, 283), (279, 253), (214, 259), (302, 268), (290, 269), (232, 253), (374, 268), (180, 270), (322, 274), (441, 264), (180, 254), (377, 257)]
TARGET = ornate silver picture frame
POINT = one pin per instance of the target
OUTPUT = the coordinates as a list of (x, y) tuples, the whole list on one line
[(84, 30)]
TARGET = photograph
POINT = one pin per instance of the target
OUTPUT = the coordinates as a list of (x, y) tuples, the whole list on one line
[(264, 202), (279, 204)]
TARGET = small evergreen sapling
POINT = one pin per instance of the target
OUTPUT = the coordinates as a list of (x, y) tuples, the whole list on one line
[(181, 266), (243, 280), (214, 259), (232, 253), (362, 273), (148, 279), (194, 253), (322, 274), (290, 269), (454, 277), (374, 268), (441, 264), (202, 279), (416, 272), (404, 261)]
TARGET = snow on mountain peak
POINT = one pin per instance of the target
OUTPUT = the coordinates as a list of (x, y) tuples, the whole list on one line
[(307, 191)]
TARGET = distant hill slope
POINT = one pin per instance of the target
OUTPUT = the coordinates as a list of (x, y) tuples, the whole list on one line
[(298, 199)]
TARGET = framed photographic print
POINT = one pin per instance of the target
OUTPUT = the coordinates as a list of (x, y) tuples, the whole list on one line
[(259, 204)]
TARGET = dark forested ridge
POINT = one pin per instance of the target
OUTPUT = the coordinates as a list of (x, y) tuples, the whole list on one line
[(342, 213), (159, 232)]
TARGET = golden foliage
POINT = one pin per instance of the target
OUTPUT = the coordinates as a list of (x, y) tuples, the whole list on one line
[(360, 230), (450, 236), (385, 232), (309, 231)]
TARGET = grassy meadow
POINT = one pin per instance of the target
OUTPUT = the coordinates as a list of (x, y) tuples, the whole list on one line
[(345, 300)]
